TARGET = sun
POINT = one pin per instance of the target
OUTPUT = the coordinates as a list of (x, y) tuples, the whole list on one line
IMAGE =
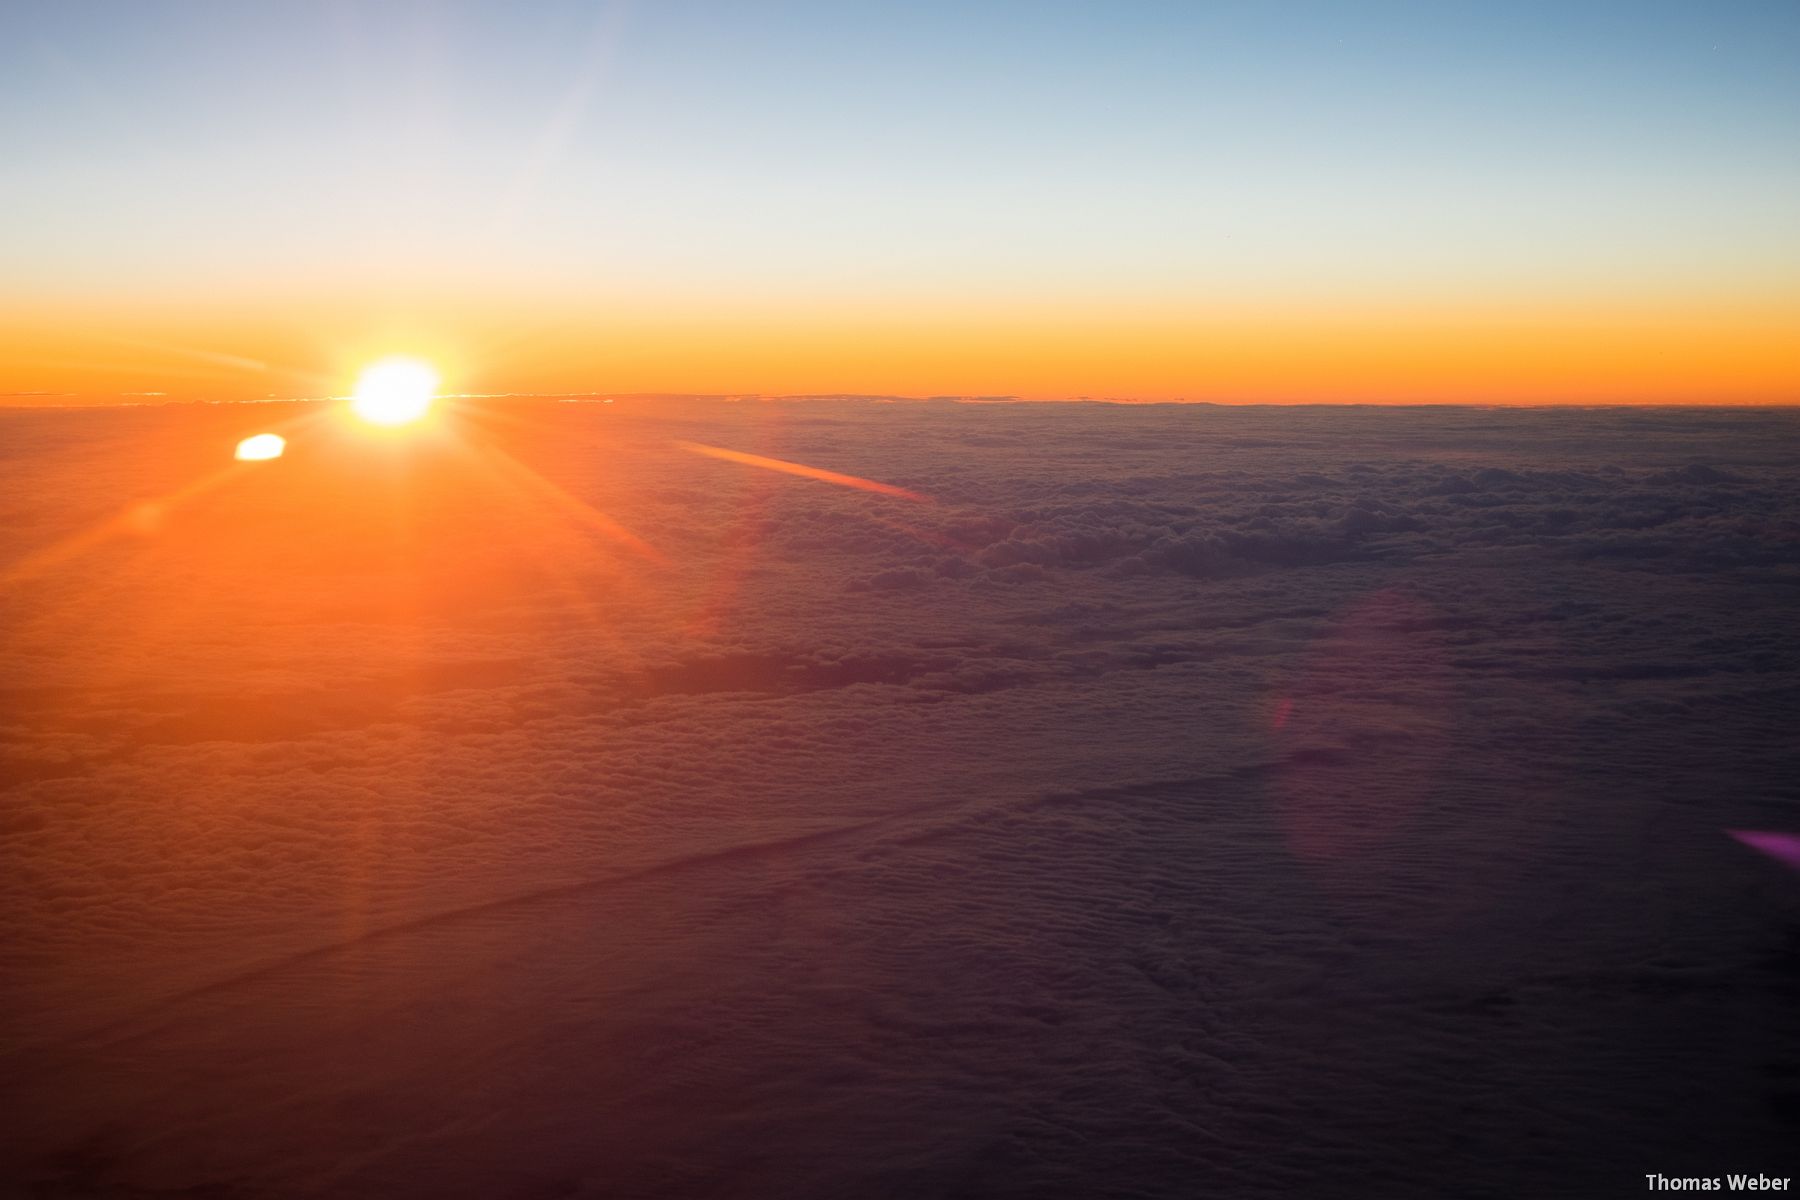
[(394, 391)]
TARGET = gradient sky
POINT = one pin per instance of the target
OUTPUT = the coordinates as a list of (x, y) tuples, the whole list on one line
[(1229, 201)]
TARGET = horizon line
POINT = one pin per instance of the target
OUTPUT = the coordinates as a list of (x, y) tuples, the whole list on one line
[(105, 400)]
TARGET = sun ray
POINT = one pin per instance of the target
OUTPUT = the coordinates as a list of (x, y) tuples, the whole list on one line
[(583, 513), (804, 471), (559, 128), (204, 363), (140, 517), (504, 478)]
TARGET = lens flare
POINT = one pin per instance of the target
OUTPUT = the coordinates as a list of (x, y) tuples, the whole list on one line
[(394, 391), (261, 447)]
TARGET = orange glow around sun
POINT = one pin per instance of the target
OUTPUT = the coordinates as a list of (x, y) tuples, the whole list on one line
[(1591, 349), (394, 391)]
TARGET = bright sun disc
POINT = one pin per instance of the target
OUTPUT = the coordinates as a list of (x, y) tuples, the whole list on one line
[(394, 391), (261, 447)]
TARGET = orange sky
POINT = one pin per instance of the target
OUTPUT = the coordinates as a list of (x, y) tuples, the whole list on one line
[(1725, 352)]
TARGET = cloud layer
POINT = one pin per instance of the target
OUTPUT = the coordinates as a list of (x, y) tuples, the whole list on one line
[(1176, 800)]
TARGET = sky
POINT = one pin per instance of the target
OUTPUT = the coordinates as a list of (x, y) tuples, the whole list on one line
[(1410, 202)]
